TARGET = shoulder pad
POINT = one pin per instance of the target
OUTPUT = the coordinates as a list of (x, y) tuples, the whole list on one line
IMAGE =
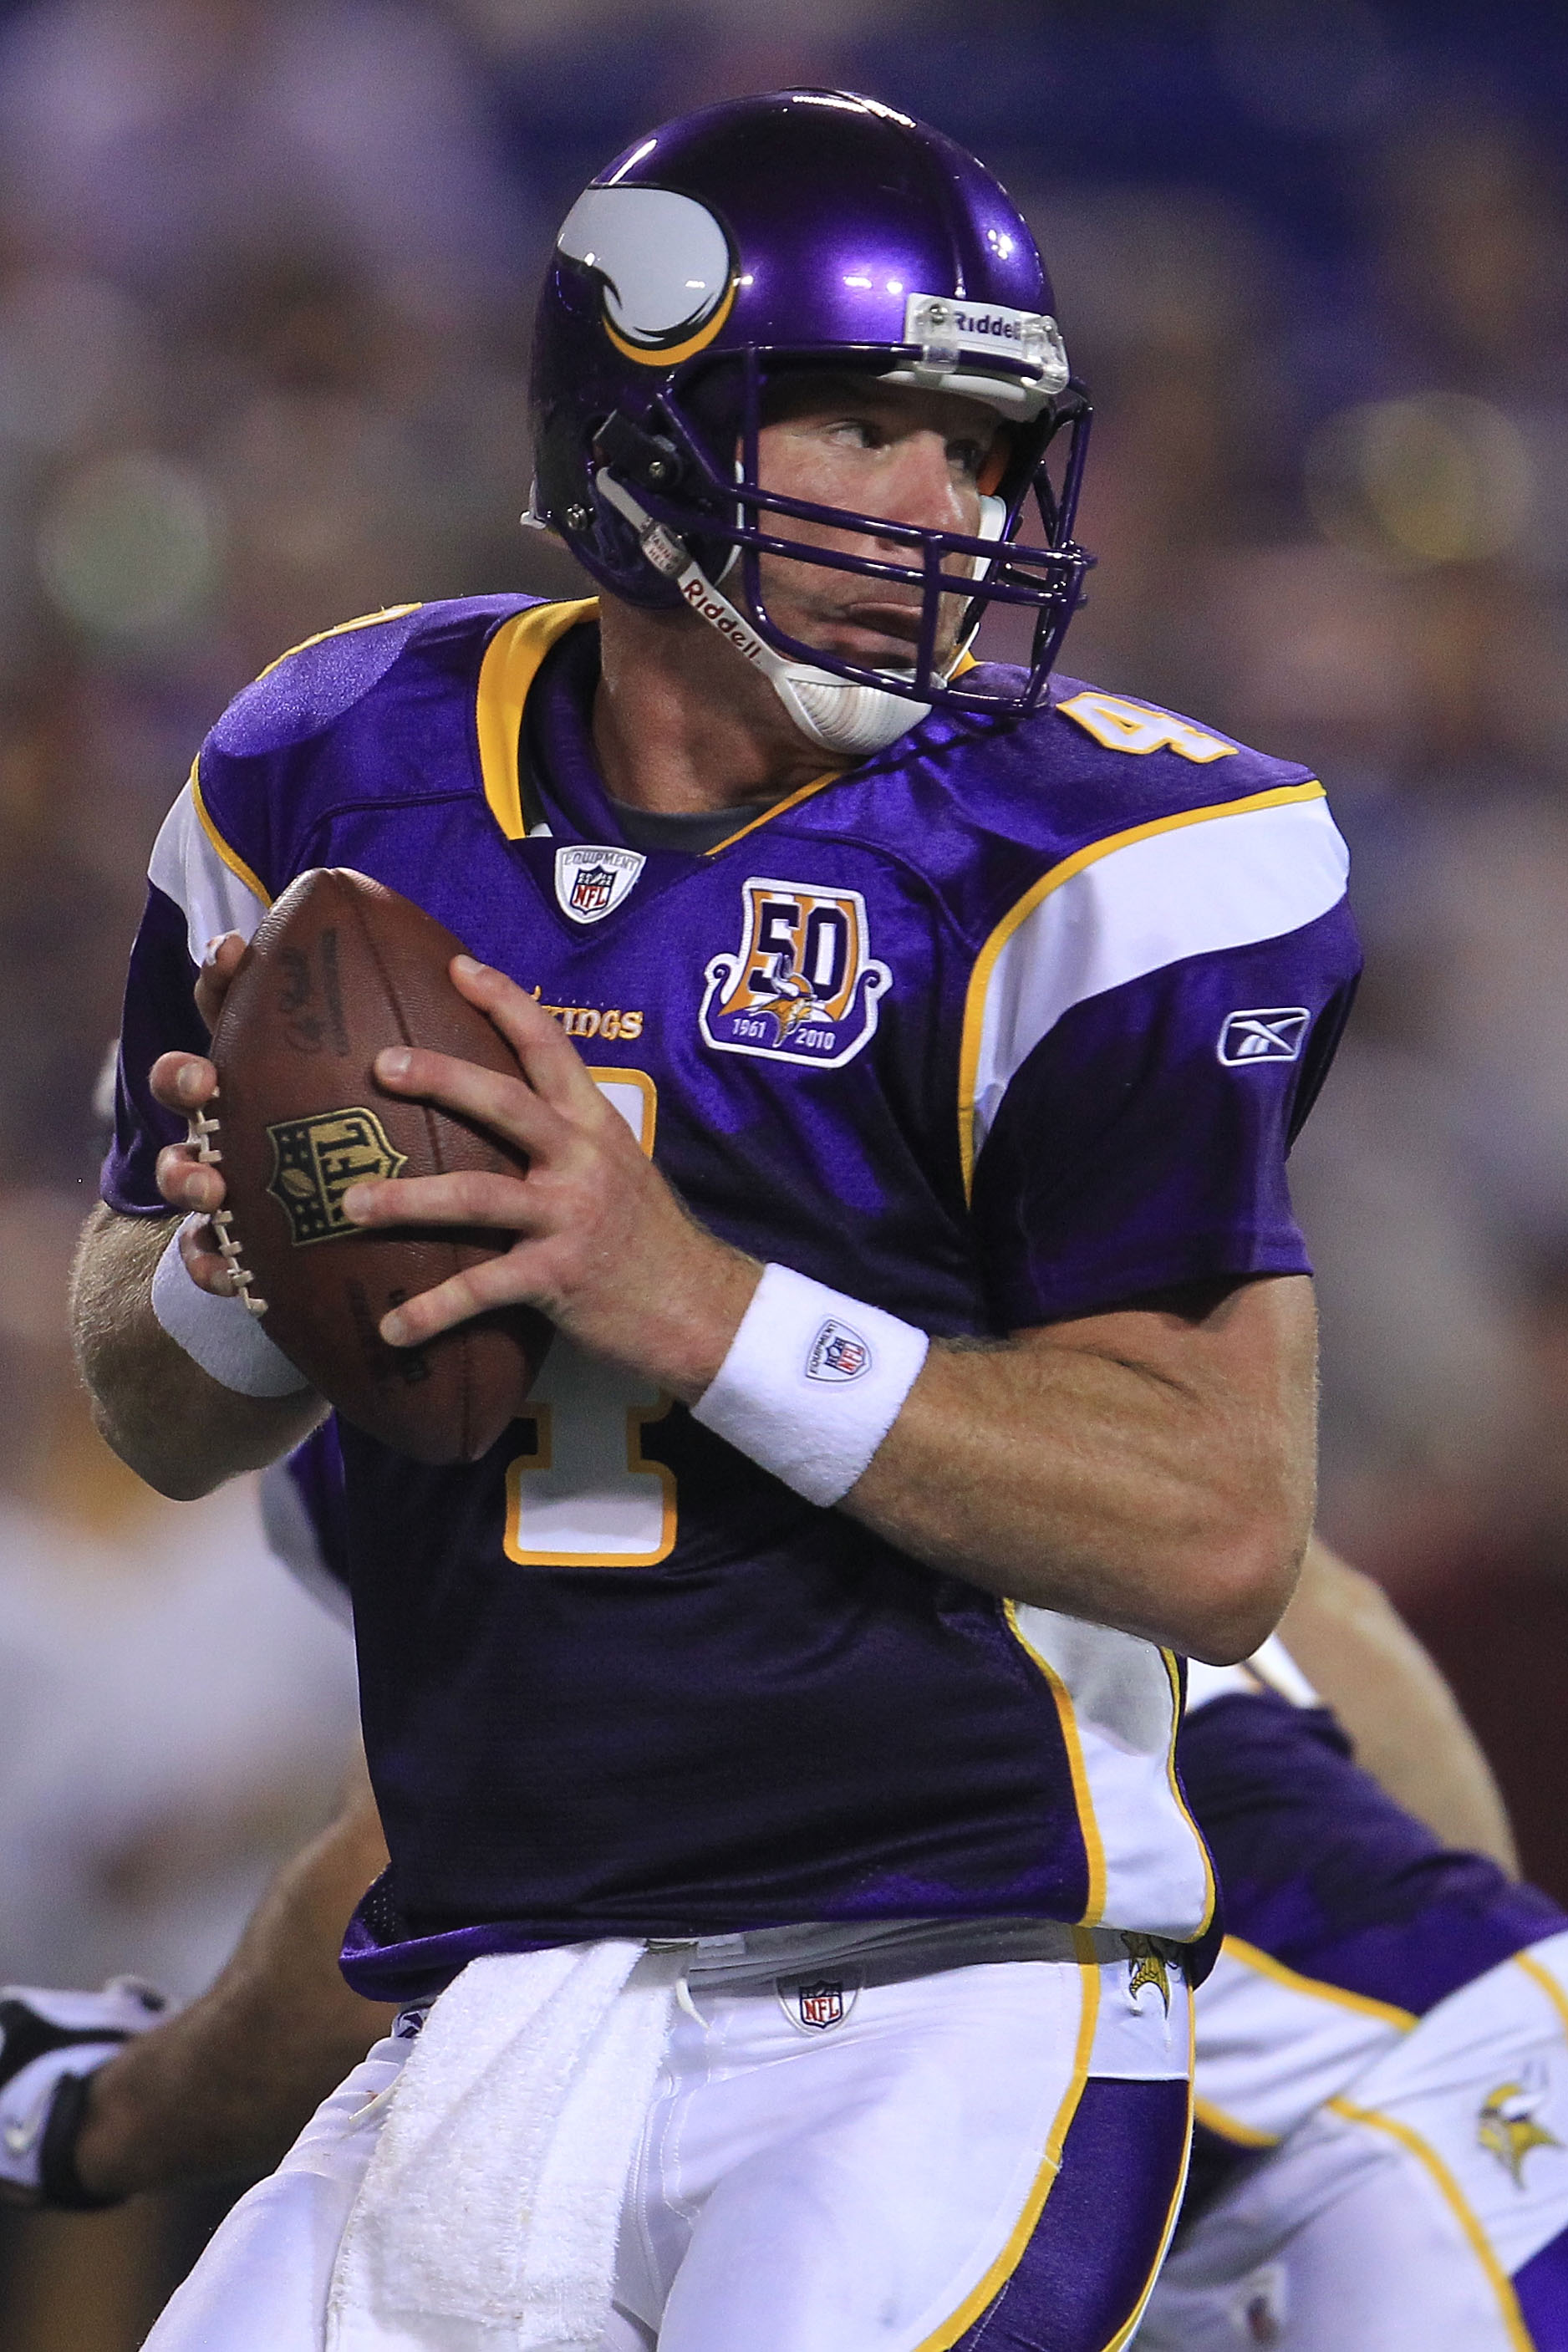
[(315, 683), (1126, 725)]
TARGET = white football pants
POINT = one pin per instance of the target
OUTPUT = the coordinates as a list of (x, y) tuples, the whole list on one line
[(985, 2156)]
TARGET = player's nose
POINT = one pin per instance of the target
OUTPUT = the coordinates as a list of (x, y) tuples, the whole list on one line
[(921, 487)]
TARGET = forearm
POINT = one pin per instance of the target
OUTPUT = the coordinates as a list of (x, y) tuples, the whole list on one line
[(1403, 1719), (228, 2084), (1167, 1491), (176, 1427)]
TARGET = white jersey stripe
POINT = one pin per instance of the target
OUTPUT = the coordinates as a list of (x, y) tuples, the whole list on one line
[(1147, 1867), (213, 890), (1271, 1668), (1216, 878)]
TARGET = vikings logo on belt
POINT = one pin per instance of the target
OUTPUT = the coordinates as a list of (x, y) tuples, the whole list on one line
[(1146, 1965), (803, 987)]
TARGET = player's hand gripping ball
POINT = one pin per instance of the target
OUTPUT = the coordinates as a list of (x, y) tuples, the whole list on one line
[(340, 967)]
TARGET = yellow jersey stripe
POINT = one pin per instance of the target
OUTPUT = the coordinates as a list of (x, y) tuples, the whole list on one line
[(509, 668), (789, 799), (793, 799), (1548, 1984), (1211, 1893), (1228, 2126), (339, 629), (1281, 796), (231, 857), (1089, 1827), (1266, 1964), (1454, 2197)]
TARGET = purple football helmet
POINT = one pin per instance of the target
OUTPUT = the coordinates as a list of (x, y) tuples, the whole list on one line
[(810, 231)]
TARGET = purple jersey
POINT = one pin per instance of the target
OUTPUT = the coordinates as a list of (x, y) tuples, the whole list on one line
[(1324, 1872), (1012, 1021)]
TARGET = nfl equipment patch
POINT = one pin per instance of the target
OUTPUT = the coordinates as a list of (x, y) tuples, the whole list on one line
[(838, 1353), (805, 986), (592, 879), (817, 2004)]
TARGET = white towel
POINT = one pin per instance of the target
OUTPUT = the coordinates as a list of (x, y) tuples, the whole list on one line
[(488, 2214)]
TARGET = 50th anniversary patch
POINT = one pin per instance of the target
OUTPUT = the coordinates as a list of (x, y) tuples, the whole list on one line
[(804, 986)]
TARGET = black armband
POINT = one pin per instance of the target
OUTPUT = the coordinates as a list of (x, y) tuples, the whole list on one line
[(58, 2182)]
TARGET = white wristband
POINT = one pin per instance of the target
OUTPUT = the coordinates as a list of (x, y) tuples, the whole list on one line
[(222, 1335), (812, 1383)]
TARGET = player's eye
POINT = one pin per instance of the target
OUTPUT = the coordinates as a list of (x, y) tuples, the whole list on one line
[(857, 433), (968, 457)]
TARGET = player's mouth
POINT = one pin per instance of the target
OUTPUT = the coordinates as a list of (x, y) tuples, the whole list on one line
[(882, 633)]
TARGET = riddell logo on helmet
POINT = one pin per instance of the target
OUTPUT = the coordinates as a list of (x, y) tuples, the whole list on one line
[(988, 322), (943, 325), (723, 619)]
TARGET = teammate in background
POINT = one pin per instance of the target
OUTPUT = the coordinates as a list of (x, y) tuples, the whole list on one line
[(1438, 2152), (1381, 2158), (779, 1798)]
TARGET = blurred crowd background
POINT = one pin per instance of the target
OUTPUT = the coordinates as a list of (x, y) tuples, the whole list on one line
[(265, 273)]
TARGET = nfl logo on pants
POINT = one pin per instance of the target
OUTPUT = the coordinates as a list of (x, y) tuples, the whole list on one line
[(821, 2004)]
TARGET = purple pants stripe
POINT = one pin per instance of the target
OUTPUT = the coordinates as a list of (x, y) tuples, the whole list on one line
[(1080, 2277), (1542, 2287)]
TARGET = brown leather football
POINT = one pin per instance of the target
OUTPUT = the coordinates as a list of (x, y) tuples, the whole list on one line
[(340, 967)]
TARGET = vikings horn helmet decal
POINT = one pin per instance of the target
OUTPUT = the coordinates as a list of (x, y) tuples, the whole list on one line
[(816, 231), (665, 264)]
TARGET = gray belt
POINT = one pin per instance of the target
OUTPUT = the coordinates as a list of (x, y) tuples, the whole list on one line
[(886, 1951)]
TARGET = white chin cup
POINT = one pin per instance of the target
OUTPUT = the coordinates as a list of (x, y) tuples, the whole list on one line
[(839, 715), (836, 714)]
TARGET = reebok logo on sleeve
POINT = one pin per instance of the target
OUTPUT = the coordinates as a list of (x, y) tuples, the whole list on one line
[(1269, 1034)]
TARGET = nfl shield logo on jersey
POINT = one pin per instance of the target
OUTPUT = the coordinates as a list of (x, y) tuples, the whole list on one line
[(803, 987), (592, 879)]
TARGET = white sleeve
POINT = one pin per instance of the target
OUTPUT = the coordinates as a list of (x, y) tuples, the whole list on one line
[(191, 865)]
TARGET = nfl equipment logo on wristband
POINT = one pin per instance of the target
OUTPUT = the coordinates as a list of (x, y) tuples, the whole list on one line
[(838, 1353), (805, 1391)]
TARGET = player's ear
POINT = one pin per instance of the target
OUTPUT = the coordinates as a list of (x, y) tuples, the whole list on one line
[(997, 462)]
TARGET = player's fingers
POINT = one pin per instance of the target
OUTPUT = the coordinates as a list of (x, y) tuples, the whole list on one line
[(207, 1269), (466, 1197), (183, 1081), (551, 1062), (494, 1282), (219, 965), (185, 1182), (508, 1107)]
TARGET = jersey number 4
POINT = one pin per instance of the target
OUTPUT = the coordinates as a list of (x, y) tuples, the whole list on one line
[(585, 1496), (1123, 725)]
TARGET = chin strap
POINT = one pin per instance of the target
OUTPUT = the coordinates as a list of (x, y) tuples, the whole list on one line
[(835, 713)]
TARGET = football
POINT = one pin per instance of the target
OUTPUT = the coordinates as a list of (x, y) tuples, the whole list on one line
[(340, 967)]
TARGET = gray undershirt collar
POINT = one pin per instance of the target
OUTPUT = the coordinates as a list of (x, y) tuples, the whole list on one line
[(693, 830)]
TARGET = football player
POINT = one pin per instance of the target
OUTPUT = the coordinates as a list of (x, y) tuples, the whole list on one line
[(1306, 2226), (773, 1734)]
